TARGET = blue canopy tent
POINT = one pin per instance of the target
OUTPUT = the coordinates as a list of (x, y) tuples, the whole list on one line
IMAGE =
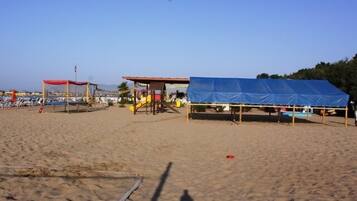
[(266, 92)]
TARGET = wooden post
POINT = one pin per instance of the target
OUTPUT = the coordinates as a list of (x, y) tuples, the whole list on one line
[(134, 101), (240, 113), (67, 96), (188, 112), (43, 92), (146, 100), (87, 92), (279, 113), (346, 116), (323, 116), (293, 115), (154, 103), (152, 99), (162, 98), (234, 113)]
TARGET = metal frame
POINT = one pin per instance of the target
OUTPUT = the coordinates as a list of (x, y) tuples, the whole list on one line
[(66, 94)]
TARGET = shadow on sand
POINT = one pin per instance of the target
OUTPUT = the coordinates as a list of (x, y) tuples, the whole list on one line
[(186, 196), (247, 118), (163, 178)]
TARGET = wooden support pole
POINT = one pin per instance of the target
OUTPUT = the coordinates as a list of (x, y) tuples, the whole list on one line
[(67, 91), (188, 112), (162, 98), (131, 190), (234, 114), (43, 92), (67, 96), (146, 100), (294, 115), (154, 103), (152, 99), (87, 92), (279, 114), (346, 117), (134, 101), (240, 113), (323, 116)]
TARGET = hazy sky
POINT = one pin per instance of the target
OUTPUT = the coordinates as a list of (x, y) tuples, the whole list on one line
[(107, 39)]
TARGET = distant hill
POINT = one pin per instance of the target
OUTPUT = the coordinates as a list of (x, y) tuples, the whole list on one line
[(108, 87)]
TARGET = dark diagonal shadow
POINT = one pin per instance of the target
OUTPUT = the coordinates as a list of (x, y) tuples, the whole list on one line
[(163, 178)]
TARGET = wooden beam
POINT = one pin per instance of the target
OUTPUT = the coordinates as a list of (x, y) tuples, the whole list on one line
[(134, 101), (43, 92), (188, 112), (154, 103), (168, 105), (146, 100), (234, 114), (294, 115), (346, 117), (151, 103), (279, 114), (323, 116), (136, 185), (240, 113), (67, 96), (87, 92), (162, 98)]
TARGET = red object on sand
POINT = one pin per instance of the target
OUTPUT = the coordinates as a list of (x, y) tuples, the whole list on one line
[(230, 156)]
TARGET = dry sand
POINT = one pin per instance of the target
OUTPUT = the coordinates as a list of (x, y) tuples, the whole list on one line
[(272, 161)]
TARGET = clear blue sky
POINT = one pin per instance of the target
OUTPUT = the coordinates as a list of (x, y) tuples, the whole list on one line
[(108, 39)]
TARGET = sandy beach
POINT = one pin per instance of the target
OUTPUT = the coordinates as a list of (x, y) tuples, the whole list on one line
[(178, 160)]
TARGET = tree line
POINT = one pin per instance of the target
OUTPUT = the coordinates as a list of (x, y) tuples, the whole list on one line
[(342, 74)]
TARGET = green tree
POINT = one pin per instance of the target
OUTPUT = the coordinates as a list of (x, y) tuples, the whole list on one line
[(123, 92), (263, 76), (277, 76), (273, 76)]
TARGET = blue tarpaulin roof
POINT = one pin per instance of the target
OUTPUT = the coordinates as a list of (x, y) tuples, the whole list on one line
[(266, 92)]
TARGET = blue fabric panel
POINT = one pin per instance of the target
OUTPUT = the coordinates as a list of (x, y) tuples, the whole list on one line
[(266, 92)]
